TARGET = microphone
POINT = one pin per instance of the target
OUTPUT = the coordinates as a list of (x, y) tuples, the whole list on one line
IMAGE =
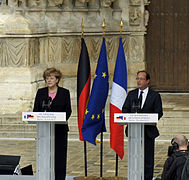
[(46, 104), (135, 105), (49, 100)]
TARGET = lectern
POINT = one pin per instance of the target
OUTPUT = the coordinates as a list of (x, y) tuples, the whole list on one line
[(45, 140), (136, 122)]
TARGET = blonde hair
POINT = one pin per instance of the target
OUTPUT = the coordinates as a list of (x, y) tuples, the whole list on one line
[(52, 71)]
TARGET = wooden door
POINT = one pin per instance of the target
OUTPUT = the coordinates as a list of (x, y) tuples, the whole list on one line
[(167, 45)]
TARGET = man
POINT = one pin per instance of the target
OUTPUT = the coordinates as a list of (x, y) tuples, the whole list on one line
[(174, 164), (145, 100)]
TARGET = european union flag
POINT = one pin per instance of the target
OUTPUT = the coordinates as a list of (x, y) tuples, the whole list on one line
[(94, 122)]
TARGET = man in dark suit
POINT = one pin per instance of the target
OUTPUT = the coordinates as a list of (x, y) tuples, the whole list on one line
[(148, 101)]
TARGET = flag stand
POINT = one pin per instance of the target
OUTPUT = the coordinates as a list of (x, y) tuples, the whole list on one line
[(85, 157), (116, 172), (101, 155)]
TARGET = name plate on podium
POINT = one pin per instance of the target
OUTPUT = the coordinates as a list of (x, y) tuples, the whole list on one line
[(44, 117), (146, 118)]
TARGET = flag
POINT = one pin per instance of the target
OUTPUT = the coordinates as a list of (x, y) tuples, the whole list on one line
[(118, 96), (83, 85), (94, 122)]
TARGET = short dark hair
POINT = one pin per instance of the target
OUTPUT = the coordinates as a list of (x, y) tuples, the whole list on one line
[(147, 74)]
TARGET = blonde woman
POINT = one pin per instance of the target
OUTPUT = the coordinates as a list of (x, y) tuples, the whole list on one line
[(55, 99)]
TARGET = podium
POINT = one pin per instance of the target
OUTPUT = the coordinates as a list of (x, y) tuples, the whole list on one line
[(136, 122), (45, 140)]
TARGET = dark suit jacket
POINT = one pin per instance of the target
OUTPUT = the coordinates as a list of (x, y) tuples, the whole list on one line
[(152, 104), (61, 102)]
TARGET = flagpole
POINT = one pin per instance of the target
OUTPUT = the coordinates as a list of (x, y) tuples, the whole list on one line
[(85, 144), (101, 155), (117, 160), (101, 139)]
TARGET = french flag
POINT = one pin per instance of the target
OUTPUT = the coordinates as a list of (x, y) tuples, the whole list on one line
[(118, 96)]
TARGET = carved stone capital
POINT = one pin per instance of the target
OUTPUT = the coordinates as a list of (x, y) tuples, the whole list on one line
[(106, 3), (135, 2), (146, 2), (134, 16), (81, 3), (55, 2)]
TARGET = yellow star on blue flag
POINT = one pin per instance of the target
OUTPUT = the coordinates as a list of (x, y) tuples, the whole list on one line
[(95, 125)]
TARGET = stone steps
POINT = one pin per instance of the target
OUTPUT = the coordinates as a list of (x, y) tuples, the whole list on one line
[(17, 134)]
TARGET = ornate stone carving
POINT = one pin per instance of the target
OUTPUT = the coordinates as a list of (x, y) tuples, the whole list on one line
[(55, 2), (70, 50), (34, 51), (146, 17), (112, 44), (81, 3), (135, 2), (93, 46), (34, 3), (17, 3), (54, 49), (106, 3), (14, 53), (94, 4), (134, 16), (146, 2), (136, 48)]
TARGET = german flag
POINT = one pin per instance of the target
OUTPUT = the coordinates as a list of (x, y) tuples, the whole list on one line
[(83, 85)]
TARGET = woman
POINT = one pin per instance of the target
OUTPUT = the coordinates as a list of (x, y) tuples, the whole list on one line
[(55, 99)]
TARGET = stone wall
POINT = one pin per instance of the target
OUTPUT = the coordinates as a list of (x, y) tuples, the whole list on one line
[(36, 34)]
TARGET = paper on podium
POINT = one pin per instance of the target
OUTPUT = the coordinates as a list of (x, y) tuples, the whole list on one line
[(146, 118), (59, 117)]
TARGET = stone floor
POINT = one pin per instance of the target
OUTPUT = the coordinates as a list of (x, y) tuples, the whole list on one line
[(75, 160), (176, 115)]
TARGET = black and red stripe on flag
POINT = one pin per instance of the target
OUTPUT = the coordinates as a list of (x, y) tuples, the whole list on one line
[(83, 85)]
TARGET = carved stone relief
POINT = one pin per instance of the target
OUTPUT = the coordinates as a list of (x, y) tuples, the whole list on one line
[(43, 49), (15, 52), (146, 17), (134, 16), (93, 46), (70, 50), (17, 3), (146, 2), (54, 49), (93, 4), (136, 48), (34, 51), (106, 3), (81, 3), (34, 3), (58, 3), (135, 2), (112, 44)]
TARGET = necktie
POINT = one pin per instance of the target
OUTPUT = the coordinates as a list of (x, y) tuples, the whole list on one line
[(140, 99)]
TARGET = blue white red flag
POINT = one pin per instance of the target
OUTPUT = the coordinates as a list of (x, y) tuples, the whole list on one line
[(118, 96)]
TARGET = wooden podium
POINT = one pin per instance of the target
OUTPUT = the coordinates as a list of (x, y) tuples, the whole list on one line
[(136, 122), (45, 140)]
